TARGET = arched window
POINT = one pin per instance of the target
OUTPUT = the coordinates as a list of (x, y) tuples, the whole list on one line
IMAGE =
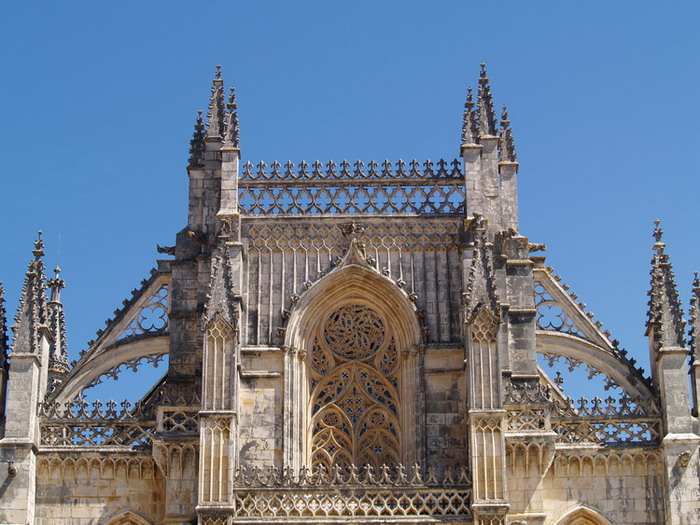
[(354, 381)]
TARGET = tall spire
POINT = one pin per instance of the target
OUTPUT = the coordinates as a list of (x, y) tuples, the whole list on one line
[(665, 314), (231, 127), (507, 144), (487, 114), (32, 312), (470, 124), (216, 115), (3, 331), (58, 353), (197, 143)]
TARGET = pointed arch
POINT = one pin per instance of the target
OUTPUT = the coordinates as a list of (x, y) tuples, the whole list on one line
[(583, 516), (126, 517), (322, 349), (355, 283)]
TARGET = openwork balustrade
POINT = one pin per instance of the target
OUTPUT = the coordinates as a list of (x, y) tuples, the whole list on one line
[(396, 493), (79, 423), (331, 188), (614, 422)]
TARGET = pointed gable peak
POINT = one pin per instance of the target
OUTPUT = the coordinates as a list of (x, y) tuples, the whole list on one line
[(665, 314), (487, 114), (216, 115)]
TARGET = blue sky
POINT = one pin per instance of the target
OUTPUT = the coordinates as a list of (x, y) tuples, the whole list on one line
[(97, 104)]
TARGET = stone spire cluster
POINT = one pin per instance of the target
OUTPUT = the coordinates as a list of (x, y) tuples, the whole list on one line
[(32, 313), (479, 121), (489, 160), (221, 124), (665, 316)]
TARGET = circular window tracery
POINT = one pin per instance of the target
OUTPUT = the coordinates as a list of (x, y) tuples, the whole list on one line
[(354, 332)]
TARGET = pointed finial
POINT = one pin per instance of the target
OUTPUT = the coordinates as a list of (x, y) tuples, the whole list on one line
[(483, 76), (231, 126), (216, 115), (507, 144), (38, 245), (470, 125), (658, 235), (696, 282), (196, 159), (56, 284), (487, 114), (232, 99)]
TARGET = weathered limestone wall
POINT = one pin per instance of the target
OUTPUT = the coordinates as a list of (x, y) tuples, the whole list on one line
[(445, 406), (261, 408), (624, 488), (81, 489)]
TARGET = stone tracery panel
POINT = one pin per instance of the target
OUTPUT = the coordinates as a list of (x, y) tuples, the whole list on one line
[(354, 384)]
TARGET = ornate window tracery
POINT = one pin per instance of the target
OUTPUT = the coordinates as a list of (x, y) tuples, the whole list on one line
[(354, 382)]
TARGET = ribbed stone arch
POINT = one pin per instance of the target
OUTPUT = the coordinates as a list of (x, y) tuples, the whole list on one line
[(363, 287)]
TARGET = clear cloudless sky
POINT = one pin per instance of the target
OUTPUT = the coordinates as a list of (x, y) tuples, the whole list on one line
[(98, 100)]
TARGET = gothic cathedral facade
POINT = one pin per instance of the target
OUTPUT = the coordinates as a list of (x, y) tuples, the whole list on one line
[(351, 343)]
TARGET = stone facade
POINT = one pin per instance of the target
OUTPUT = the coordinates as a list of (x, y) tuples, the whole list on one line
[(351, 343)]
